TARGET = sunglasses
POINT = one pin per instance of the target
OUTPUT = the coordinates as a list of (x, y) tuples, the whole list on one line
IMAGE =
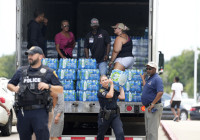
[(148, 68), (65, 26)]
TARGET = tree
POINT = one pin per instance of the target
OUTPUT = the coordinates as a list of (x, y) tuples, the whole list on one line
[(7, 65), (183, 67)]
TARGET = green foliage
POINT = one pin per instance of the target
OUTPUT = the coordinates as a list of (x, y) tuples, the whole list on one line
[(183, 67), (7, 66)]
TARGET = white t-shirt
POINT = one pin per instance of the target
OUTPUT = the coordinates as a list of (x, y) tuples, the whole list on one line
[(177, 87)]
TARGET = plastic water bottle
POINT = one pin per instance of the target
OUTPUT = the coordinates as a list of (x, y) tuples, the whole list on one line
[(127, 86), (146, 33), (85, 85), (86, 74), (83, 63), (129, 96), (84, 96)]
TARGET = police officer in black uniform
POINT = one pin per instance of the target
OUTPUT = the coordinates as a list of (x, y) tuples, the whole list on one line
[(109, 111), (34, 85)]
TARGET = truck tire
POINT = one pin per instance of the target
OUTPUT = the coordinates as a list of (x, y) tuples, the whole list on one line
[(7, 129)]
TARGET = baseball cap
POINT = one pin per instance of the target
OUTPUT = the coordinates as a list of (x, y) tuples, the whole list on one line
[(34, 50), (121, 26), (152, 64), (94, 22)]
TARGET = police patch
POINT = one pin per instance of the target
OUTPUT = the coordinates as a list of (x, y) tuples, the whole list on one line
[(103, 93), (101, 90), (42, 70), (55, 74)]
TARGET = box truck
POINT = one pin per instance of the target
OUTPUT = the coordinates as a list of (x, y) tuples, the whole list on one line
[(138, 15)]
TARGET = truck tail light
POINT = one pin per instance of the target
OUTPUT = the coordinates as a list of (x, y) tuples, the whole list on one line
[(129, 108), (143, 108), (2, 100)]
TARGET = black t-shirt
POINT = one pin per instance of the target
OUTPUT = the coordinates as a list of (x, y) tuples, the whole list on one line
[(109, 103), (97, 44)]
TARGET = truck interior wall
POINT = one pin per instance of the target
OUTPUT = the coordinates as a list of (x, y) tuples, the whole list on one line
[(79, 12)]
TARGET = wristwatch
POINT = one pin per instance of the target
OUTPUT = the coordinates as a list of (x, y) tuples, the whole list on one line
[(49, 86), (152, 104)]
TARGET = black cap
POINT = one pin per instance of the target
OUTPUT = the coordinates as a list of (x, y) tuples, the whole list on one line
[(34, 50)]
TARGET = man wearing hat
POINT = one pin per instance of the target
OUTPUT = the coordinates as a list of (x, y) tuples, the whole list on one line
[(151, 99), (34, 85), (98, 42)]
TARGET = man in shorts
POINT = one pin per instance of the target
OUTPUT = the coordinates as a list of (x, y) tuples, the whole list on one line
[(177, 89)]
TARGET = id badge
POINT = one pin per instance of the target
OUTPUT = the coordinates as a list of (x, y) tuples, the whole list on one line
[(91, 40)]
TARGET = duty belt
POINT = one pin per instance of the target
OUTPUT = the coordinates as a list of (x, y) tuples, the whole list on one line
[(32, 107)]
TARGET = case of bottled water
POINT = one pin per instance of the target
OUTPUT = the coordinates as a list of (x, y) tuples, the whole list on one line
[(88, 74), (67, 74), (91, 85), (68, 63), (69, 95), (119, 78), (87, 63), (50, 62), (87, 95), (68, 84)]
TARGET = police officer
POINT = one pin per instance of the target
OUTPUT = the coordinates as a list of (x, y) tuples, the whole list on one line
[(33, 86), (109, 111)]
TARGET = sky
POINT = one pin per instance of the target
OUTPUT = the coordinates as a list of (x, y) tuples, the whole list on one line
[(178, 26)]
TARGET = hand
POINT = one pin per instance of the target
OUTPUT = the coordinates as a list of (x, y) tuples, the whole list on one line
[(42, 86), (45, 21), (110, 81), (110, 63), (105, 57), (16, 89), (170, 101), (56, 119), (151, 107), (143, 76), (8, 111)]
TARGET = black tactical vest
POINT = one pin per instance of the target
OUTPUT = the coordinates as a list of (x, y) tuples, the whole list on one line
[(28, 92)]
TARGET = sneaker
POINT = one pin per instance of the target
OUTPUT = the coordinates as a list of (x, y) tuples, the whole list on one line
[(175, 118)]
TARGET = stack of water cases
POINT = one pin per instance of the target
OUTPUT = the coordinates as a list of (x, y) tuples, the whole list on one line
[(140, 51), (88, 76), (133, 86), (67, 75)]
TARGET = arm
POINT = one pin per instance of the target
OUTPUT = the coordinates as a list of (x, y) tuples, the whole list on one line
[(111, 91), (86, 52), (143, 78), (7, 110), (13, 88), (59, 52), (86, 46), (44, 27), (116, 49), (55, 89), (122, 94), (60, 104), (107, 52), (158, 97), (172, 96)]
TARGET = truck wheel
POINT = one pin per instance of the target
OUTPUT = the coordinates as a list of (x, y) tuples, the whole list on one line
[(7, 129)]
